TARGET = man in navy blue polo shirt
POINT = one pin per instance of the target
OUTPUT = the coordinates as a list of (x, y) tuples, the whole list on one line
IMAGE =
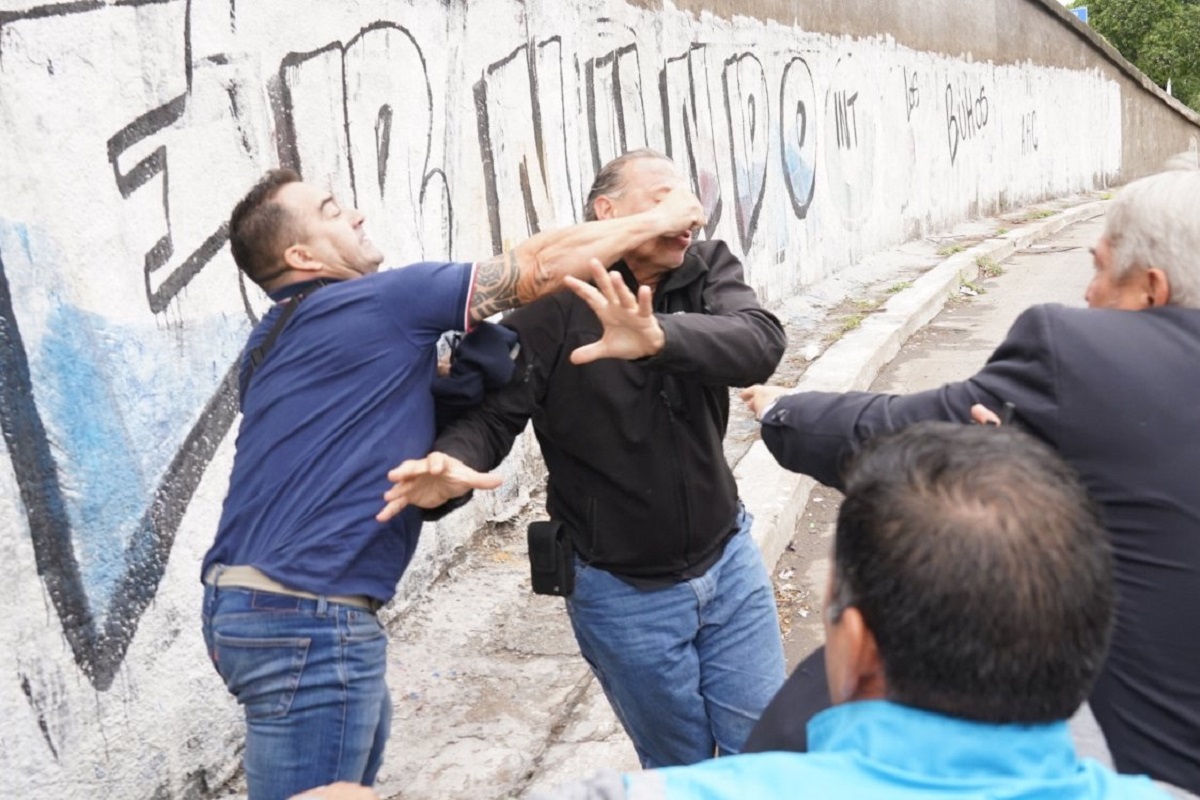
[(335, 388)]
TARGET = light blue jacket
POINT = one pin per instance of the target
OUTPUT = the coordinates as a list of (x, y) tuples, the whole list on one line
[(879, 749)]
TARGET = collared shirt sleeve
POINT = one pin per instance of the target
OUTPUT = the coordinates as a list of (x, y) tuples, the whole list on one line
[(427, 298)]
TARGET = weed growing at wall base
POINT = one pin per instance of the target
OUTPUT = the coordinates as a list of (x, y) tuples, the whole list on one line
[(971, 289), (851, 323), (988, 268)]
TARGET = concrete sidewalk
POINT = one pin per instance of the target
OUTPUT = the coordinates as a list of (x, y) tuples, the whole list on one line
[(491, 696)]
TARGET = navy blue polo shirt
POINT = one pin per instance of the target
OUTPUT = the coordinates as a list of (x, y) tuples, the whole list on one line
[(343, 396)]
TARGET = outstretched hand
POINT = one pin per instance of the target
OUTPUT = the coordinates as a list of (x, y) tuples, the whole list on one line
[(431, 481), (759, 398), (630, 329)]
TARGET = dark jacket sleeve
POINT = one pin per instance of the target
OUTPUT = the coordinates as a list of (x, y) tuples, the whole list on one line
[(734, 342), (815, 433), (484, 436)]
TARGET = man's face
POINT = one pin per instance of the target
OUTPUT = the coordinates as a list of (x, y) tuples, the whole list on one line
[(332, 234), (644, 182), (1108, 291)]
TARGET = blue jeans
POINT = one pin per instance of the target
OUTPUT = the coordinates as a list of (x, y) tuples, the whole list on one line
[(687, 668), (309, 675)]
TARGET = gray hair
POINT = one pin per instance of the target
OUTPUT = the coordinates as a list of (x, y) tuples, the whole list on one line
[(1155, 222), (608, 179), (1188, 159)]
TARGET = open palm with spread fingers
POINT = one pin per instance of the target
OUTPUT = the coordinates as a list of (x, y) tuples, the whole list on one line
[(630, 329), (431, 481)]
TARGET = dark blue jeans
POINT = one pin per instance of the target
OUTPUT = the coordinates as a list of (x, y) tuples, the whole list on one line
[(687, 668), (309, 675)]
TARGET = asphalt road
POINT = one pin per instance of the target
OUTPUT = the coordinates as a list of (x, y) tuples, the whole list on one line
[(953, 346)]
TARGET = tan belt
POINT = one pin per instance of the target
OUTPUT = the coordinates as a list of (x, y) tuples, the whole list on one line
[(246, 577)]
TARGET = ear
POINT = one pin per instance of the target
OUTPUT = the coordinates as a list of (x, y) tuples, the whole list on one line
[(604, 207), (853, 667), (1158, 287), (299, 257)]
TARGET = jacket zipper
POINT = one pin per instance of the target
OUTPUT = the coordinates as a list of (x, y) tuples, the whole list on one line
[(678, 470), (680, 486)]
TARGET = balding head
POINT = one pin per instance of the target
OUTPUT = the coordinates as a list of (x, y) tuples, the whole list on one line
[(977, 562)]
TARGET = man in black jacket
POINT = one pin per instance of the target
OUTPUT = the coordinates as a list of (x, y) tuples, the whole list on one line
[(627, 384), (1118, 395)]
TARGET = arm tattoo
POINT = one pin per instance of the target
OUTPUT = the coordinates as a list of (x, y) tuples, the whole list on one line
[(495, 286)]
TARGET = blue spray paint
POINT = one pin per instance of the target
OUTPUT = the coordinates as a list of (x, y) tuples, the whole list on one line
[(106, 456)]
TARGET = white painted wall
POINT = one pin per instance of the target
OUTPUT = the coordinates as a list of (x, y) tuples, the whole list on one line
[(127, 133)]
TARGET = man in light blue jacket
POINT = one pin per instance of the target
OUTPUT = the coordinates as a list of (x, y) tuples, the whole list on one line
[(968, 611)]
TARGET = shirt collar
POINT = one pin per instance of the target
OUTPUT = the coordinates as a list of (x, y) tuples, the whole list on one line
[(685, 273), (911, 739), (293, 289)]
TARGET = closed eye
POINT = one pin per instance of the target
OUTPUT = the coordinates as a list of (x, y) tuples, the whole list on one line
[(330, 207)]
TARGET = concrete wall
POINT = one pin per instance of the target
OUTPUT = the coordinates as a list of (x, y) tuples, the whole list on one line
[(1003, 32), (128, 129)]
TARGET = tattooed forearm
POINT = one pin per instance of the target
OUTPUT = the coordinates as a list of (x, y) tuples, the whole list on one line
[(505, 282), (495, 286)]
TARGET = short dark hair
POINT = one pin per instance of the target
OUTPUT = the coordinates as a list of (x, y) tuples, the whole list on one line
[(260, 229), (608, 179), (981, 566)]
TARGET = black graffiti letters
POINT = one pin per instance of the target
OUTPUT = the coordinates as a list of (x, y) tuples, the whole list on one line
[(614, 104), (1029, 142), (688, 127), (912, 94), (797, 139), (746, 105), (966, 116), (845, 119), (521, 122)]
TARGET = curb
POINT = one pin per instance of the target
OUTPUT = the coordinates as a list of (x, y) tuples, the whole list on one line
[(778, 497)]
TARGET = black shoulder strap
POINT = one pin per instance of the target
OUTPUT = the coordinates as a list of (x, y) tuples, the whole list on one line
[(259, 353)]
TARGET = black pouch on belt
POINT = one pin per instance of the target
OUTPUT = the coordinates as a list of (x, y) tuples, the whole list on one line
[(551, 558)]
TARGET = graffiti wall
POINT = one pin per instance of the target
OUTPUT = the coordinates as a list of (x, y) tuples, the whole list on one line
[(129, 128)]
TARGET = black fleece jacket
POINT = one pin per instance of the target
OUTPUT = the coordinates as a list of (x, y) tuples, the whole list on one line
[(634, 448)]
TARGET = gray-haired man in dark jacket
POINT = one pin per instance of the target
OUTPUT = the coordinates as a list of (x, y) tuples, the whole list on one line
[(627, 383)]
